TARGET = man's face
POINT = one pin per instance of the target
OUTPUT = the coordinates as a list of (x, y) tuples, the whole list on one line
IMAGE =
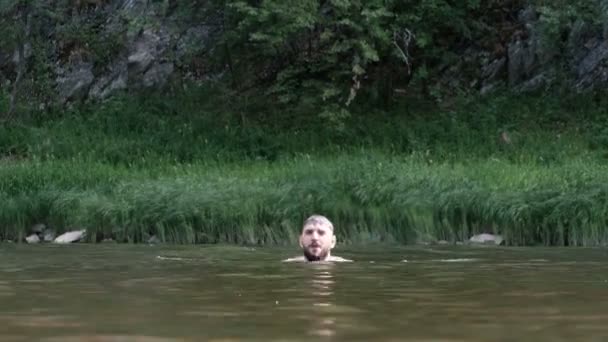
[(316, 241)]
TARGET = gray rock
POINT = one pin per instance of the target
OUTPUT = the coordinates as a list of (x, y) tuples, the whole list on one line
[(158, 75), (139, 61), (493, 69), (592, 70), (154, 240), (32, 238), (527, 15), (194, 40), (134, 7), (523, 60), (593, 59), (27, 52), (486, 239), (70, 237), (147, 47), (535, 83), (115, 80), (576, 40), (49, 236), (75, 82)]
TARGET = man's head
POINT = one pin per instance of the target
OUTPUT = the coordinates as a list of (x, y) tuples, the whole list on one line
[(317, 238)]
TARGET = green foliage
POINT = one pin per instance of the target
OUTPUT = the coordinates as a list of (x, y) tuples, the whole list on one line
[(390, 198), (87, 36), (557, 19), (325, 56), (187, 170)]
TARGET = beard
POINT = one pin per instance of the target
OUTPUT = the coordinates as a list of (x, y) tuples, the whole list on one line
[(312, 257)]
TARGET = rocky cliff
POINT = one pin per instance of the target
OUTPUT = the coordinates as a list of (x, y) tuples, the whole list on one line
[(152, 45)]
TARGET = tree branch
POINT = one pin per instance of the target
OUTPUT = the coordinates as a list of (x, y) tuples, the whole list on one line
[(406, 37)]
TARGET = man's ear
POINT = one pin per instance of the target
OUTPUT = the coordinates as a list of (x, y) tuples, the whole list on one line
[(300, 241), (333, 241)]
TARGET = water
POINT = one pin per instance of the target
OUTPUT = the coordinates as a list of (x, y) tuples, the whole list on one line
[(192, 293)]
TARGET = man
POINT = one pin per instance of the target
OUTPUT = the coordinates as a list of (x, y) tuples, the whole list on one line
[(316, 240)]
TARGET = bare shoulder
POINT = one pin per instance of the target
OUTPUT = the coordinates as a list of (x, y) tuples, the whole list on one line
[(330, 259), (338, 259), (296, 259)]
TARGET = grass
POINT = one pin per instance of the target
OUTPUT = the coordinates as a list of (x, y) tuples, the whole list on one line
[(189, 173), (369, 196)]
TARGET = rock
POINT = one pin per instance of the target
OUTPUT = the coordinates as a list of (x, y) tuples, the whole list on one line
[(27, 51), (527, 15), (579, 41), (486, 239), (491, 71), (115, 80), (70, 237), (194, 40), (32, 238), (535, 83), (521, 61), (147, 48), (49, 236), (140, 61), (593, 59), (75, 82), (146, 66), (134, 7), (591, 71), (154, 240), (157, 75)]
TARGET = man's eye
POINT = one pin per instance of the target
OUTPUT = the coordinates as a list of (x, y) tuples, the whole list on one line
[(321, 232)]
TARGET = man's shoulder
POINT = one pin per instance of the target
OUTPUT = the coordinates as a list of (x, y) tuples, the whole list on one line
[(303, 259), (338, 259), (296, 259)]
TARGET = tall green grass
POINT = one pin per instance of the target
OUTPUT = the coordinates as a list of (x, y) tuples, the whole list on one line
[(187, 170), (370, 196)]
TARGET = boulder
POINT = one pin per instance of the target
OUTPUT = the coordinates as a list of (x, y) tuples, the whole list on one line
[(32, 238), (70, 237), (74, 82), (49, 235), (486, 239)]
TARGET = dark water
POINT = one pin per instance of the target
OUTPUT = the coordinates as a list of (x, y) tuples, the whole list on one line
[(147, 293)]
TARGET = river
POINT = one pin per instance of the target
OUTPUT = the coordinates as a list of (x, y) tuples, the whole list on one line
[(110, 292)]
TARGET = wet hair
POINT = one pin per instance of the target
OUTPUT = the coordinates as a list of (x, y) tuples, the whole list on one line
[(318, 219)]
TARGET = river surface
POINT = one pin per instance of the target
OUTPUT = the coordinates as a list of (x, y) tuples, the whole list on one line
[(87, 292)]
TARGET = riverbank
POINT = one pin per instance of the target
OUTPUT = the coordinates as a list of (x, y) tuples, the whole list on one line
[(369, 196), (128, 173)]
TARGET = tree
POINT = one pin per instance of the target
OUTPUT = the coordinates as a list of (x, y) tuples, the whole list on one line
[(16, 19), (323, 55)]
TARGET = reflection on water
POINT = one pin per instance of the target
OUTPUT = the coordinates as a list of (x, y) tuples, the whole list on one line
[(321, 285), (165, 293)]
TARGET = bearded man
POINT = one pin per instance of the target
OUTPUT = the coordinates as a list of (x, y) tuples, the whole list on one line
[(317, 239)]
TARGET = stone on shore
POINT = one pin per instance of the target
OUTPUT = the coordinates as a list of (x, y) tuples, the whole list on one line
[(70, 237), (32, 238), (486, 239)]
